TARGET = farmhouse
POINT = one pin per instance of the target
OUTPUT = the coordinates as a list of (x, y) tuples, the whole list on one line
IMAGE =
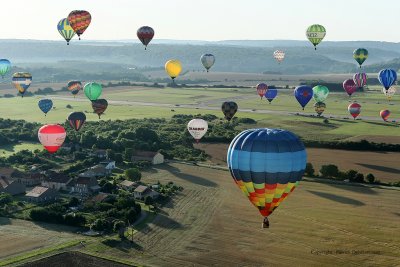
[(57, 181), (41, 194), (99, 198), (141, 192), (128, 185), (95, 171), (153, 157), (109, 165), (27, 179), (84, 185), (11, 187)]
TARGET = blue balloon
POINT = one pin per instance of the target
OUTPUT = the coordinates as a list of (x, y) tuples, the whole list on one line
[(303, 94), (387, 77), (271, 94), (45, 105)]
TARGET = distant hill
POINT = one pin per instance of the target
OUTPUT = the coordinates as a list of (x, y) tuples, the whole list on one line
[(115, 57)]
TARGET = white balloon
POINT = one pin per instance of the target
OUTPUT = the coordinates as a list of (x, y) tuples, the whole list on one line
[(390, 92), (279, 55), (197, 128), (207, 60)]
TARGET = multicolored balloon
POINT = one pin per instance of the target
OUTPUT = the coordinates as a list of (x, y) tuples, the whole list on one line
[(390, 92), (145, 35), (45, 105), (384, 114), (315, 33), (267, 165), (76, 120), (360, 79), (354, 109), (349, 86), (319, 108), (92, 90), (279, 56), (5, 67), (320, 93), (387, 77), (74, 87), (229, 109), (303, 94), (173, 68), (197, 128), (79, 20), (52, 136), (360, 55), (22, 81), (99, 106), (65, 29), (261, 89), (207, 60), (271, 93)]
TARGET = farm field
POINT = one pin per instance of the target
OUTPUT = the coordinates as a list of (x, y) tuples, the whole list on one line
[(7, 150), (381, 164)]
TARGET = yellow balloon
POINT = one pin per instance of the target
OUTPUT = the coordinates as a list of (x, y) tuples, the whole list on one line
[(173, 68)]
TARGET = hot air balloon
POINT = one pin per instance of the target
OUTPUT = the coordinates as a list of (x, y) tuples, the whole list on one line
[(319, 108), (271, 93), (76, 120), (5, 67), (385, 114), (303, 94), (99, 106), (360, 55), (360, 79), (354, 109), (390, 92), (45, 105), (387, 77), (92, 90), (74, 87), (197, 128), (173, 68), (261, 89), (22, 81), (349, 86), (267, 165), (79, 21), (279, 56), (207, 60), (320, 93), (65, 29), (52, 136), (229, 109), (145, 35), (315, 33)]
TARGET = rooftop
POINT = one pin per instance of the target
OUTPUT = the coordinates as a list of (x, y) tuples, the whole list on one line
[(141, 189), (37, 191), (145, 154), (4, 182), (56, 177), (127, 183)]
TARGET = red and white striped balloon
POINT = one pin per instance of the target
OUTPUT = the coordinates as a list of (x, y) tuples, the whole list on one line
[(52, 136), (354, 109)]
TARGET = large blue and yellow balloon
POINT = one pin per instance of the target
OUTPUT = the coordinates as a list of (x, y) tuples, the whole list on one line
[(267, 165), (22, 81)]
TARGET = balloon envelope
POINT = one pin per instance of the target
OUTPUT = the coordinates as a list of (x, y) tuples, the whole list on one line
[(145, 35), (51, 136), (390, 92), (320, 93), (384, 114), (349, 86), (22, 81), (229, 109), (79, 20), (315, 33), (173, 68), (261, 89), (207, 60), (303, 94), (197, 128), (92, 90), (319, 107), (45, 105), (354, 109), (99, 106), (74, 87), (387, 77), (65, 29), (360, 79), (76, 120), (271, 93), (279, 55), (360, 55), (5, 66), (267, 165)]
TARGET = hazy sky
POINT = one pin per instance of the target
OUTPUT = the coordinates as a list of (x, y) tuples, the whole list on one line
[(207, 19)]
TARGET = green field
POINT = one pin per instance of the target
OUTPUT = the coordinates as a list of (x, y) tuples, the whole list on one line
[(7, 150)]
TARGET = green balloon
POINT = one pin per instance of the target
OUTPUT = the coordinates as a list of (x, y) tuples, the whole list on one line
[(92, 90), (320, 93)]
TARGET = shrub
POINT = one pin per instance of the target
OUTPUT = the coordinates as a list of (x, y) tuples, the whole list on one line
[(370, 178), (133, 174), (351, 175), (329, 171), (309, 171), (359, 178)]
